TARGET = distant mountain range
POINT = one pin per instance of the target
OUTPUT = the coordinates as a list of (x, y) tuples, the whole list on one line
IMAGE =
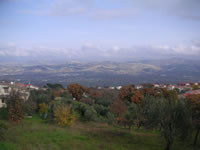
[(105, 73)]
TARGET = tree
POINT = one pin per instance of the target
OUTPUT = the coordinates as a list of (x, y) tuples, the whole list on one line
[(43, 110), (64, 115), (194, 104), (3, 127), (171, 116), (86, 112), (130, 94), (118, 108), (54, 86), (195, 87), (150, 92), (77, 90), (169, 94), (41, 96), (15, 108)]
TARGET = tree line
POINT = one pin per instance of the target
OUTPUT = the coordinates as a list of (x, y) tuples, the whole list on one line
[(149, 108)]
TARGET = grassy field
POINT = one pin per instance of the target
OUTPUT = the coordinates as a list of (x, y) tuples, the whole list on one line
[(34, 134)]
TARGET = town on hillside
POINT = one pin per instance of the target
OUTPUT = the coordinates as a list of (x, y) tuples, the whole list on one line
[(183, 89)]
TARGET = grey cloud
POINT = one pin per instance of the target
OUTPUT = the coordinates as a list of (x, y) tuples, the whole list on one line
[(188, 9), (183, 8), (90, 52)]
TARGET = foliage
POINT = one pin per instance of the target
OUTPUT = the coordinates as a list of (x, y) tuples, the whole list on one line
[(15, 108), (3, 113), (41, 96), (77, 90), (130, 116), (195, 87), (194, 104), (96, 94), (87, 100), (105, 102), (29, 107), (150, 92), (171, 116), (3, 127), (131, 94), (101, 110), (43, 110), (55, 86), (87, 112), (64, 115), (118, 108), (170, 94), (110, 118)]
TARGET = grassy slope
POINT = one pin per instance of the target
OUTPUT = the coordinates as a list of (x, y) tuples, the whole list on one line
[(34, 134)]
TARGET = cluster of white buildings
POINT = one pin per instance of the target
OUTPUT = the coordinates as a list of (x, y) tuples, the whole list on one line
[(179, 86), (7, 87)]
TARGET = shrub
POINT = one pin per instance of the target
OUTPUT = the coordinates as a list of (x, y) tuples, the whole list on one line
[(2, 128), (64, 115), (4, 113), (110, 118), (90, 114), (43, 110), (101, 110), (170, 115), (15, 109), (29, 107), (87, 112), (88, 101), (104, 102), (77, 91)]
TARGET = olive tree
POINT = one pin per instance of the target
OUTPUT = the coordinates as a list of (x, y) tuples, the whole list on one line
[(170, 116)]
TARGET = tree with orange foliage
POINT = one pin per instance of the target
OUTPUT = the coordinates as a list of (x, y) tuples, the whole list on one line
[(96, 94), (56, 93), (150, 92), (118, 108), (194, 103), (131, 94), (77, 90), (15, 108)]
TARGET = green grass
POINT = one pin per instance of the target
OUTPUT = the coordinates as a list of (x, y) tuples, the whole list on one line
[(35, 134)]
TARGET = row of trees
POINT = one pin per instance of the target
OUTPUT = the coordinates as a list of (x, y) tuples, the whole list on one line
[(157, 109), (162, 110)]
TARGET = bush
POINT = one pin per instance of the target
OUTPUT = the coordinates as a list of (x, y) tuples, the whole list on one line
[(64, 115), (170, 115), (3, 113), (15, 108), (2, 128), (43, 110), (101, 110), (104, 102), (90, 114), (29, 108), (110, 118), (87, 112)]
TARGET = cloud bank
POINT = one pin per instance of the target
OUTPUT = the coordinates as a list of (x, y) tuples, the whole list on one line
[(89, 52)]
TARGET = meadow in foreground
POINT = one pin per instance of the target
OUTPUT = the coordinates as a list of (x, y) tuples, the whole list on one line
[(35, 134)]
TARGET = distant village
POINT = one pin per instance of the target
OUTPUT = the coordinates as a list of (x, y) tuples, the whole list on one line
[(7, 87), (183, 89)]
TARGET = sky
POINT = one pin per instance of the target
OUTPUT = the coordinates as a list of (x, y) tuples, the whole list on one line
[(99, 29)]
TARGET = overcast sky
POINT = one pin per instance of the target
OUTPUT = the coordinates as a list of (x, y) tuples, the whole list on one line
[(99, 29)]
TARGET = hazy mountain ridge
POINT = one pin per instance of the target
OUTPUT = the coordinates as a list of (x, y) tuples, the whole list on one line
[(101, 73)]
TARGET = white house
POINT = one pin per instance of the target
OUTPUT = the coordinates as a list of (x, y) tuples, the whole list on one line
[(2, 104), (118, 87)]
